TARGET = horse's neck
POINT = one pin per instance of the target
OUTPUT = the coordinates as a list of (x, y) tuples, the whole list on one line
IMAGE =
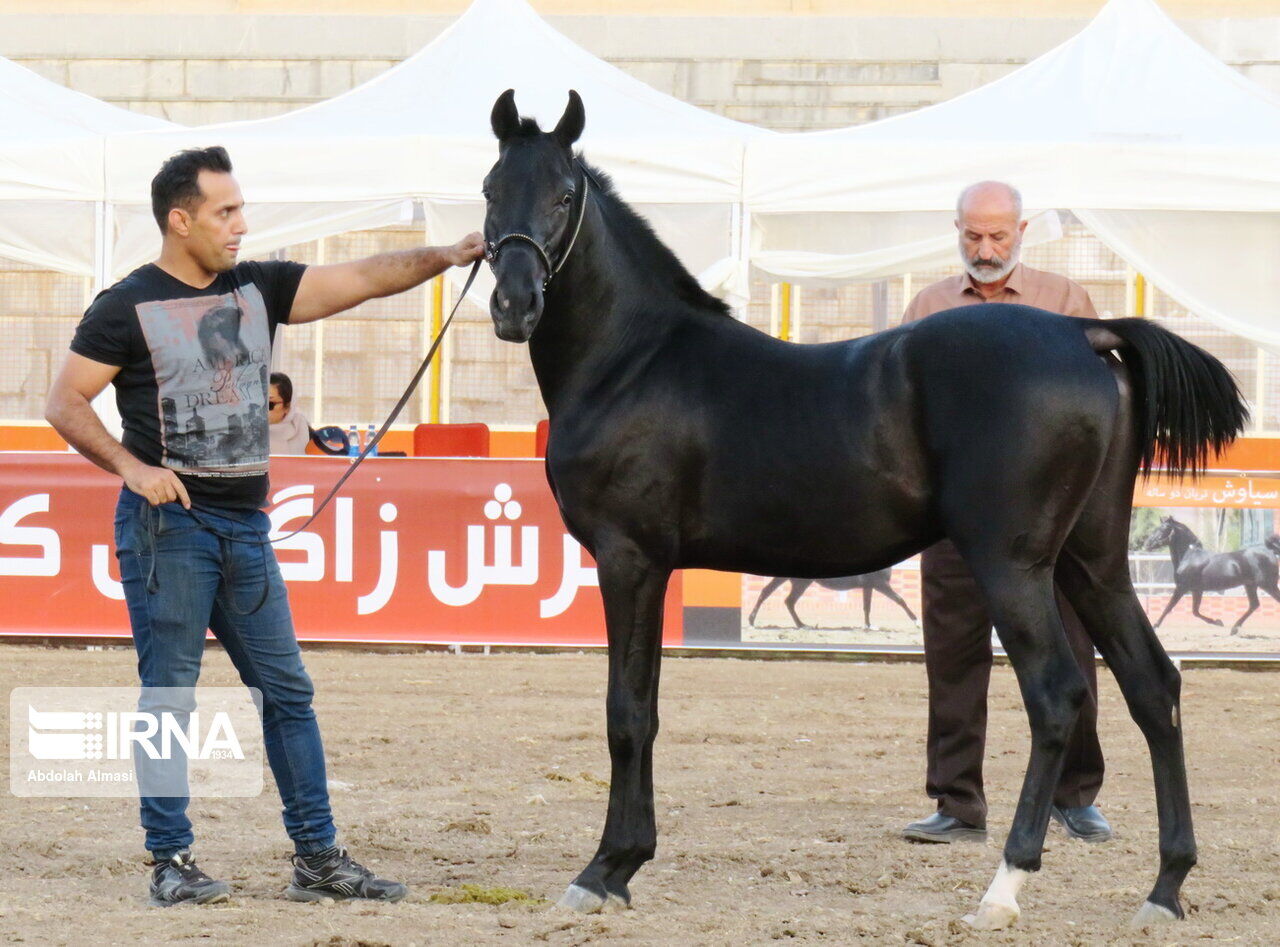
[(591, 323), (1180, 542)]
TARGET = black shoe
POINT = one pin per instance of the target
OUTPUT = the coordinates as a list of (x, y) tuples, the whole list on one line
[(943, 828), (1086, 823), (335, 875), (179, 881)]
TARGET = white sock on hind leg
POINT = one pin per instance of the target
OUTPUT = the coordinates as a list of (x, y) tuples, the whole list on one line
[(999, 906)]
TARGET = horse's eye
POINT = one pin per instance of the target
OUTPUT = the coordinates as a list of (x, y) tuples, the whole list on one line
[(567, 199), (488, 196)]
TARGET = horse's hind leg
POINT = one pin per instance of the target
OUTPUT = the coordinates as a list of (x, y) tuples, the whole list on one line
[(1025, 611), (1093, 573), (887, 591), (764, 594), (1252, 592), (1096, 581), (866, 605), (633, 588), (798, 588)]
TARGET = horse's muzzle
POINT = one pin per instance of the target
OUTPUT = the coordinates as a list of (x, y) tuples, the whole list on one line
[(515, 318)]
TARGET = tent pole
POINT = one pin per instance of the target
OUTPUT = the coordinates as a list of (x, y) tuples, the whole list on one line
[(437, 320), (444, 357), (740, 227), (1260, 392), (103, 230), (317, 351)]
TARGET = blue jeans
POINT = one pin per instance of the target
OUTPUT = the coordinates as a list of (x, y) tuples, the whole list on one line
[(181, 579)]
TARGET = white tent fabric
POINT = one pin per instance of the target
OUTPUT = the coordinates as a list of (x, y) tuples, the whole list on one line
[(421, 130), (1168, 155), (879, 261), (51, 168)]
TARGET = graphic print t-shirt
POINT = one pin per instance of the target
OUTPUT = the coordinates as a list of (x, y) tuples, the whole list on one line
[(194, 368)]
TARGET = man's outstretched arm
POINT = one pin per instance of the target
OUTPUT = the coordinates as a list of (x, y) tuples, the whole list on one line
[(330, 289), (70, 412)]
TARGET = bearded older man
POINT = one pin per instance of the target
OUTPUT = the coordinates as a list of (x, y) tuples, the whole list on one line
[(957, 626)]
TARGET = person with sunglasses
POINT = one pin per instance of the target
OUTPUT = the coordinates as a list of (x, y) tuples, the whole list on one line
[(290, 432)]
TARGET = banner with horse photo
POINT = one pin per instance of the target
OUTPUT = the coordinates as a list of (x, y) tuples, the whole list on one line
[(1202, 553)]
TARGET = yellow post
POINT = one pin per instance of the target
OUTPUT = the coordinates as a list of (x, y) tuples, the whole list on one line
[(784, 305), (1139, 295), (437, 319)]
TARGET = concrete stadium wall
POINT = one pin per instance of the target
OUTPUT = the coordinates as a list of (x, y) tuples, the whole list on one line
[(786, 72)]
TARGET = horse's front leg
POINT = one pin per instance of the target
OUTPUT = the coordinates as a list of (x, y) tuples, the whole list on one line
[(633, 588), (764, 594), (1196, 596), (1173, 600)]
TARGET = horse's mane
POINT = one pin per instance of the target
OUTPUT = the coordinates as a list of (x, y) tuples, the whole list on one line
[(663, 265)]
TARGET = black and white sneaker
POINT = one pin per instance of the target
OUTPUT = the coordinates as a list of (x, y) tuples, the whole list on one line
[(179, 881), (335, 875)]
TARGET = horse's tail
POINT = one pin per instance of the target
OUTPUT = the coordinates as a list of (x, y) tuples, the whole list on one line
[(1186, 402)]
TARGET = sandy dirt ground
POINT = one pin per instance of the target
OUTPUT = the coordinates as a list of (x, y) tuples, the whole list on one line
[(781, 790)]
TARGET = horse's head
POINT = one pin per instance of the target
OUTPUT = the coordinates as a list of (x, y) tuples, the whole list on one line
[(1273, 543), (1162, 534), (532, 211)]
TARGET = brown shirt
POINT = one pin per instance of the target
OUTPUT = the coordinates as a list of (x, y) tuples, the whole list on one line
[(1025, 285)]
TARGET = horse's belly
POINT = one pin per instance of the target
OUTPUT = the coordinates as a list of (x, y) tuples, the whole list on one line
[(805, 533)]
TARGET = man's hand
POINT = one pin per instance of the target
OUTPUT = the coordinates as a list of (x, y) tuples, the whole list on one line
[(467, 250), (156, 485)]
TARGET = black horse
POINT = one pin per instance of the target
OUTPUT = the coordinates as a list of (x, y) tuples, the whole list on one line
[(870, 583), (1197, 571), (681, 437)]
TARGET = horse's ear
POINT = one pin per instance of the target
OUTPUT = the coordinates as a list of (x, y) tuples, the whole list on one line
[(571, 123), (1166, 519), (504, 119)]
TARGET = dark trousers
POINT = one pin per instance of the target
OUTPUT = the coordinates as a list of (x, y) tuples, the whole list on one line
[(957, 654)]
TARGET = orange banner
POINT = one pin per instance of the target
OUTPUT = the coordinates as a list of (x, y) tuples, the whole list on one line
[(1211, 490), (414, 550)]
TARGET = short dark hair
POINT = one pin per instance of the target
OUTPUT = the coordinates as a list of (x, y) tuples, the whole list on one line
[(281, 381), (176, 184)]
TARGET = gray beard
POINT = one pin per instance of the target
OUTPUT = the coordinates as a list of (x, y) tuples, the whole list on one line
[(987, 274)]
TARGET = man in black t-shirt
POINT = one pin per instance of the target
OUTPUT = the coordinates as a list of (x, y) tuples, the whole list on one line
[(186, 341)]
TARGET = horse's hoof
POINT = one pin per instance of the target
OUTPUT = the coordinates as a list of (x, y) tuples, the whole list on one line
[(615, 904), (579, 899), (1151, 914), (992, 916)]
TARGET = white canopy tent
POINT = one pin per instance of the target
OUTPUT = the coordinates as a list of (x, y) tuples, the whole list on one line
[(1169, 156), (421, 132), (51, 169)]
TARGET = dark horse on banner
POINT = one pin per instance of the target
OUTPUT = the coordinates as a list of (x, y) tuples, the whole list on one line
[(872, 582), (1197, 571), (683, 438)]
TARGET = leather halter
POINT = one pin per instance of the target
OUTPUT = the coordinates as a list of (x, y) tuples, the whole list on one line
[(493, 247)]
